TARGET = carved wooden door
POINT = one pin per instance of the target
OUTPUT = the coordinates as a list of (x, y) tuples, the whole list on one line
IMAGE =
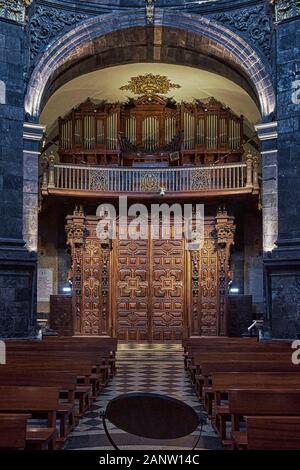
[(150, 289), (167, 289), (132, 289)]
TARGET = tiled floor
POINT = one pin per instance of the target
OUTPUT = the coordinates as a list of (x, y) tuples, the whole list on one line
[(143, 367)]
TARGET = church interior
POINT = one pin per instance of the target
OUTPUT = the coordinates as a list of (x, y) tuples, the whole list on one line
[(127, 322)]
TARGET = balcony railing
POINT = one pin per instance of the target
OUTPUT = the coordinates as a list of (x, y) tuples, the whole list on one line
[(218, 178)]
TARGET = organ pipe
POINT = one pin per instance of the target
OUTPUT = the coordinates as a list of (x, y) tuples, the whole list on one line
[(151, 126)]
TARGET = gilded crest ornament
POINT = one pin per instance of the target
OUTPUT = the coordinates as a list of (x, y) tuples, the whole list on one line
[(150, 84)]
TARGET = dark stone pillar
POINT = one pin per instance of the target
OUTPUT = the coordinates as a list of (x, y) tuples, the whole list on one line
[(282, 265), (17, 264)]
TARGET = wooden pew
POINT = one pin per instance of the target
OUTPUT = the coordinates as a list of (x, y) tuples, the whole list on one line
[(32, 400), (66, 383), (106, 346), (88, 347), (229, 356), (273, 432), (13, 431), (223, 382), (81, 368), (273, 402), (213, 343)]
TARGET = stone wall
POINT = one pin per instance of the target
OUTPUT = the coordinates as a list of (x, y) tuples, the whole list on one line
[(17, 266), (283, 264)]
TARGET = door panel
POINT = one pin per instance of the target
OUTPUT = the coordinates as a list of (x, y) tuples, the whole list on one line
[(167, 289), (132, 290)]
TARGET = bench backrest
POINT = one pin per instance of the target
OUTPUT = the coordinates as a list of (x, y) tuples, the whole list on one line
[(210, 367), (228, 380), (28, 399), (13, 431), (264, 402), (273, 433)]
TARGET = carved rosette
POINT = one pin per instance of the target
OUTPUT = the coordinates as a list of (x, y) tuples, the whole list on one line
[(225, 231), (14, 10)]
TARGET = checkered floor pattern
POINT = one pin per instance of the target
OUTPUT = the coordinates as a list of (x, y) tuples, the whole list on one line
[(143, 367)]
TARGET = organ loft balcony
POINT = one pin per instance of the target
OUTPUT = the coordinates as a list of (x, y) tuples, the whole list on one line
[(151, 146)]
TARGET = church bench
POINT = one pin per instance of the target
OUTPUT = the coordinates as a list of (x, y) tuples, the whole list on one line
[(66, 384), (81, 368), (210, 367), (13, 431), (107, 346), (215, 343), (66, 380), (33, 400), (96, 359), (86, 346), (272, 402), (273, 432), (228, 356), (223, 382)]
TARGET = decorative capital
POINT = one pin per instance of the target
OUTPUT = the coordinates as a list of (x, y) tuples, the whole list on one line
[(225, 228), (285, 9), (14, 10)]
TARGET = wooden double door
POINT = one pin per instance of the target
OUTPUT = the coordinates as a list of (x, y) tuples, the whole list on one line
[(149, 289), (153, 289)]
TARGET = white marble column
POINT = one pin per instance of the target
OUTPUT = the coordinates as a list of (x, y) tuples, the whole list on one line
[(268, 135), (32, 136)]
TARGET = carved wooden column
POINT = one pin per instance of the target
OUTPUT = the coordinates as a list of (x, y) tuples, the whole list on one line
[(225, 230), (75, 229), (195, 322)]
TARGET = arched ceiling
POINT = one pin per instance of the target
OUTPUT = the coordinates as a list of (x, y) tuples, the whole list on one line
[(105, 84)]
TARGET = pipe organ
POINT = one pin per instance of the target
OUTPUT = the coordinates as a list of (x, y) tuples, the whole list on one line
[(151, 129)]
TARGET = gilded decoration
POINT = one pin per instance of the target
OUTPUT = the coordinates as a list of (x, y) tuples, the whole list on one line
[(150, 84), (150, 182)]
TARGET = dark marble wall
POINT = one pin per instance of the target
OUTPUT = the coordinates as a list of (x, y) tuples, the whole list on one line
[(288, 115), (11, 131), (283, 265), (17, 266)]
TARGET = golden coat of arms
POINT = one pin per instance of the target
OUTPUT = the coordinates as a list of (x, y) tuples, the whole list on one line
[(149, 84)]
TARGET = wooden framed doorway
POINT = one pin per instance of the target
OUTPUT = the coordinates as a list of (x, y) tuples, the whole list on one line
[(149, 285)]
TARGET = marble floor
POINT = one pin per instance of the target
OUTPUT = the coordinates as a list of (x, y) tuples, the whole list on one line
[(143, 367)]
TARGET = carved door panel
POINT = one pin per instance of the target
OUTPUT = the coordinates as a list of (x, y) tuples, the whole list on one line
[(91, 288), (209, 287), (149, 292), (167, 303), (132, 290)]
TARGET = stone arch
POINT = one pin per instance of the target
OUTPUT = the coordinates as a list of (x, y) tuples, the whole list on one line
[(79, 44)]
